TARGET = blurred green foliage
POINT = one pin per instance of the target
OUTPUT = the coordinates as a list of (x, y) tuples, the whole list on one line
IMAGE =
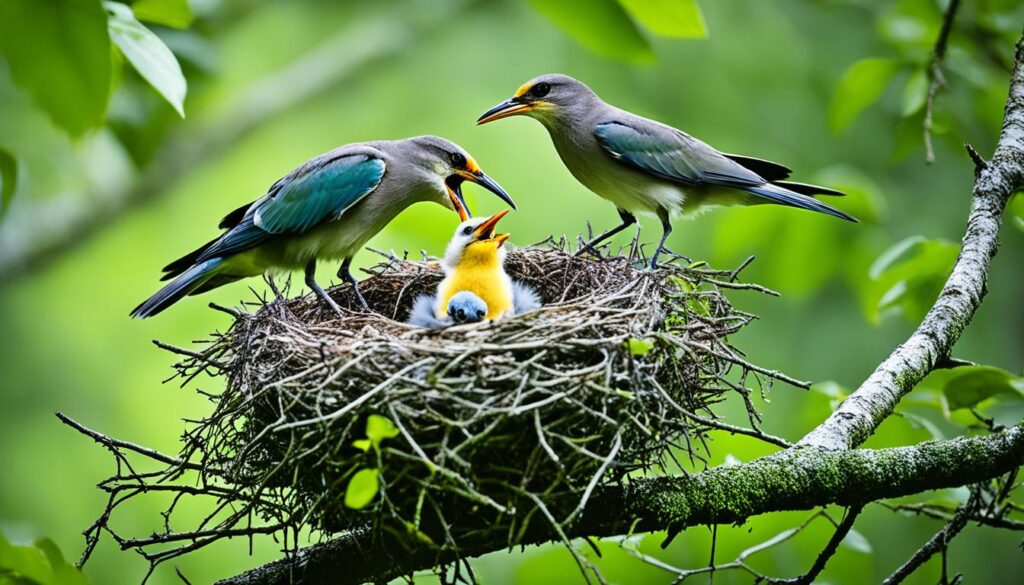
[(908, 276), (81, 118), (8, 179), (38, 564)]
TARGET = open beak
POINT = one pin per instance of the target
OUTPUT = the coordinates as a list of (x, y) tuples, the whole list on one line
[(474, 176), (485, 231), (454, 185), (509, 107)]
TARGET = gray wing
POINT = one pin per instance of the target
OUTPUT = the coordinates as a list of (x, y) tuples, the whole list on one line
[(678, 157), (672, 155), (422, 314), (524, 298)]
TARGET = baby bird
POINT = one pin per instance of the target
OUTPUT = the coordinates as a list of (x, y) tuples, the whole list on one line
[(465, 307), (474, 261), (476, 286)]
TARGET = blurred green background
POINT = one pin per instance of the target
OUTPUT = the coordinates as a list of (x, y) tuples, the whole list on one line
[(761, 83)]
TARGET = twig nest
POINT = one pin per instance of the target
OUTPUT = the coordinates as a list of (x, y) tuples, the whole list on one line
[(328, 422)]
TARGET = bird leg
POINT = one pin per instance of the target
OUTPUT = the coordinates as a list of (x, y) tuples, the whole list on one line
[(320, 292), (666, 226), (345, 274), (628, 219)]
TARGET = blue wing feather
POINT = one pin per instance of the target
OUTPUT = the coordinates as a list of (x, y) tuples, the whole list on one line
[(316, 192), (301, 203)]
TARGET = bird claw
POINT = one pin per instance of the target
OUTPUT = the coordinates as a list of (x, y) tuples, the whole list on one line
[(330, 302), (362, 300)]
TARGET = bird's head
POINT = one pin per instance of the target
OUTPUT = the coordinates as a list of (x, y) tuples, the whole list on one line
[(466, 307), (545, 98), (475, 241), (453, 166)]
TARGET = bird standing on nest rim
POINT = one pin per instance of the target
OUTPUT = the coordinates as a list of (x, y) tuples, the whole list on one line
[(326, 209), (475, 280), (642, 165)]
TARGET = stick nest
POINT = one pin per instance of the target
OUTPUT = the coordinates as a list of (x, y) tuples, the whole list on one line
[(334, 422)]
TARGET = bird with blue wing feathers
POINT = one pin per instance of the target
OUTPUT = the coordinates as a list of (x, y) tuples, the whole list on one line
[(644, 166), (326, 209)]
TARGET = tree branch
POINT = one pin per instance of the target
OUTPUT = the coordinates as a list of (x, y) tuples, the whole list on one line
[(800, 478), (830, 549), (936, 79), (935, 544), (858, 416), (33, 235)]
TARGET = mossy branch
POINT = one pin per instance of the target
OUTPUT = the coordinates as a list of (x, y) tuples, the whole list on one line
[(799, 478)]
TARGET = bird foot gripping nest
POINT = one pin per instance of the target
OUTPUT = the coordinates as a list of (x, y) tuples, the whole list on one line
[(330, 423)]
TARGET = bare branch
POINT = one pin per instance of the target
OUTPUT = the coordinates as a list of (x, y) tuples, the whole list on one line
[(935, 544), (830, 549), (119, 444), (936, 79)]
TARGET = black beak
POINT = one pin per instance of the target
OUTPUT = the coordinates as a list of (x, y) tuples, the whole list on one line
[(454, 184), (509, 107), (486, 182)]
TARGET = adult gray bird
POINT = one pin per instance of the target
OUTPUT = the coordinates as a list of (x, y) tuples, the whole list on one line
[(326, 209), (642, 165)]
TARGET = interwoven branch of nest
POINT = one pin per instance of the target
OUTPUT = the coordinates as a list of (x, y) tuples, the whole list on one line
[(496, 425)]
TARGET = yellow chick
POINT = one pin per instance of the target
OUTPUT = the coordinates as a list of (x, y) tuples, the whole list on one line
[(474, 262)]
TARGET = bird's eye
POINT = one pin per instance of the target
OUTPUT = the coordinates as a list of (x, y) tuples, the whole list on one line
[(479, 314), (467, 230), (458, 161), (540, 90)]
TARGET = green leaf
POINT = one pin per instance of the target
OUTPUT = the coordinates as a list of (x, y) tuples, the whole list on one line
[(669, 18), (602, 26), (830, 388), (966, 386), (362, 488), (907, 277), (856, 541), (915, 92), (148, 54), (38, 564), (379, 428), (920, 422), (861, 85), (172, 13), (8, 180), (639, 346), (362, 444), (59, 52)]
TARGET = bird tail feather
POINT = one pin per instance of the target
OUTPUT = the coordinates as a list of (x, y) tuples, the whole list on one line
[(189, 281), (783, 196), (808, 189)]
